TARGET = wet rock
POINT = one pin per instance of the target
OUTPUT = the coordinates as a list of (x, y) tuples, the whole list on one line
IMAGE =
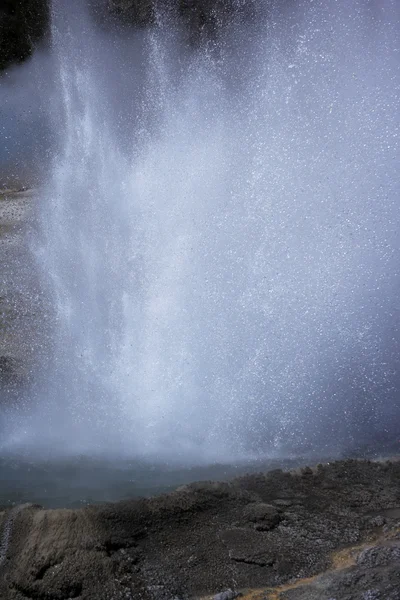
[(183, 544), (8, 367), (135, 12), (227, 595), (265, 516), (371, 595), (11, 372), (283, 503), (247, 547), (202, 17), (377, 521), (22, 26), (378, 556), (307, 472)]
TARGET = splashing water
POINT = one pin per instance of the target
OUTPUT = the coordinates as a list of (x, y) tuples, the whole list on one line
[(219, 235)]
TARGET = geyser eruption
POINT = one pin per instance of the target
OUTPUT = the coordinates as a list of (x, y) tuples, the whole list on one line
[(219, 234)]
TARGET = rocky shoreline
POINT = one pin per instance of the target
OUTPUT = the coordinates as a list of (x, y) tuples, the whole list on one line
[(328, 533)]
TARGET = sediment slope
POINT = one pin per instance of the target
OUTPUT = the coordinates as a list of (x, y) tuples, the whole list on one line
[(260, 535)]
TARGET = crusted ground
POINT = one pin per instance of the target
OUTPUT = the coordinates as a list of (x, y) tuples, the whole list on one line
[(332, 532)]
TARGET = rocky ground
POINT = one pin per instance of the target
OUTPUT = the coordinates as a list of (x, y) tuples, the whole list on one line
[(328, 533)]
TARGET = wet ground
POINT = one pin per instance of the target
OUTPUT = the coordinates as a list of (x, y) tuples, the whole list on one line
[(331, 532)]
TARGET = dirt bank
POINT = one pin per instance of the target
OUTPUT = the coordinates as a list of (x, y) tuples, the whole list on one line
[(260, 535)]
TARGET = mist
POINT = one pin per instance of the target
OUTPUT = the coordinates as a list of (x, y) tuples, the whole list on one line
[(217, 234)]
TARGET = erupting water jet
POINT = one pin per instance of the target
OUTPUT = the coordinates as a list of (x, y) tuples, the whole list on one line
[(219, 236)]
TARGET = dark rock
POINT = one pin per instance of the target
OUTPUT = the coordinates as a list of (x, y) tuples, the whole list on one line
[(371, 595), (378, 556), (283, 503), (306, 472), (22, 25), (135, 12), (10, 370), (247, 547), (203, 18), (260, 512), (378, 521), (183, 544), (265, 516), (227, 595)]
